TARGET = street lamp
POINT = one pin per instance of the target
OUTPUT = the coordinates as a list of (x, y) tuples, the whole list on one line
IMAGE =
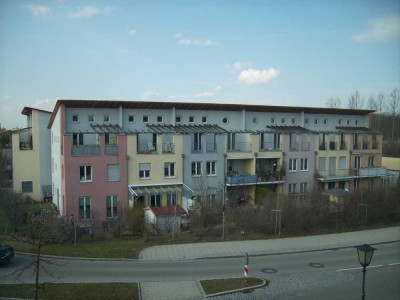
[(365, 253)]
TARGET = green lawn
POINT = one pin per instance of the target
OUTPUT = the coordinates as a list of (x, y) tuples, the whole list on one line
[(67, 291), (222, 285)]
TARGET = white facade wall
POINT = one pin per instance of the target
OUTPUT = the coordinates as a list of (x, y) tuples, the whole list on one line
[(56, 140)]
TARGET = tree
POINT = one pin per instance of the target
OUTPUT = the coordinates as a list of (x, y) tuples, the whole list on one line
[(333, 102), (355, 101), (393, 107), (371, 103)]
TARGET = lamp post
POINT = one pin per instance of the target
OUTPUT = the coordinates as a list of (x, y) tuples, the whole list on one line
[(365, 253)]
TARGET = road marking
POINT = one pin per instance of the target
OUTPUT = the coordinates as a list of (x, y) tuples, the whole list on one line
[(369, 267)]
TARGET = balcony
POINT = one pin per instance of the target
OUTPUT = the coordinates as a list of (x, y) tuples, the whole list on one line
[(25, 139), (372, 172), (294, 146), (211, 147), (365, 146), (235, 178), (335, 174), (85, 150), (343, 146), (375, 145), (322, 146), (270, 146), (240, 147), (111, 149), (332, 146), (168, 147)]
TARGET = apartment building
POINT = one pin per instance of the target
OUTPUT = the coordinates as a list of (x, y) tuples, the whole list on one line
[(31, 165), (109, 154)]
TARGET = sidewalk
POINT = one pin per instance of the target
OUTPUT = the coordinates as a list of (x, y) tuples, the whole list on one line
[(272, 246)]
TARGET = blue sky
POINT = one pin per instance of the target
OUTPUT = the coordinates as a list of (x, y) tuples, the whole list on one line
[(254, 52)]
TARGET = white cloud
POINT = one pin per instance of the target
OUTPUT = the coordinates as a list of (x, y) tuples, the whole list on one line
[(238, 66), (90, 11), (217, 88), (380, 30), (194, 42), (45, 103), (149, 95), (252, 76), (203, 95), (37, 10), (132, 32)]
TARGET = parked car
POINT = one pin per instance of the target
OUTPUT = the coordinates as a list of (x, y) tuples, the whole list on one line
[(6, 253)]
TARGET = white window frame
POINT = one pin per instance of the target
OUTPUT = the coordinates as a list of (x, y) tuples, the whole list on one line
[(292, 188), (196, 168), (86, 175), (292, 164), (204, 119), (340, 122), (113, 201), (306, 121), (211, 168), (191, 119), (316, 121), (144, 170), (304, 164), (155, 200), (91, 118), (325, 121), (146, 119), (133, 119), (160, 119), (272, 120), (178, 119), (303, 187), (106, 119), (293, 120), (283, 120), (85, 213), (77, 118), (171, 199), (169, 169)]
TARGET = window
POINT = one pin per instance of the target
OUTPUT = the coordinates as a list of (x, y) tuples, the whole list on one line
[(159, 119), (348, 122), (306, 121), (77, 139), (197, 141), (75, 118), (325, 121), (315, 121), (340, 121), (85, 173), (196, 168), (211, 170), (303, 187), (169, 169), (112, 206), (178, 119), (91, 118), (292, 188), (155, 200), (357, 162), (204, 119), (131, 118), (144, 171), (371, 161), (84, 207), (113, 172), (27, 186), (106, 118), (283, 120), (356, 122), (171, 199), (293, 120), (191, 119), (225, 120), (304, 164), (272, 120), (292, 164), (145, 119), (110, 139)]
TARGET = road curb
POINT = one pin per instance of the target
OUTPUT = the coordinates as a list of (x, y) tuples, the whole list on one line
[(263, 284)]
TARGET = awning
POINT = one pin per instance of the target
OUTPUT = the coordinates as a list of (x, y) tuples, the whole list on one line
[(144, 190)]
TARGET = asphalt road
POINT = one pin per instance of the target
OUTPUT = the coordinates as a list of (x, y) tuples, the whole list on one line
[(311, 273)]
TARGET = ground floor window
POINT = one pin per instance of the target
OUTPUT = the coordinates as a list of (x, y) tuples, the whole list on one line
[(84, 207), (155, 200), (171, 199), (112, 206), (27, 186)]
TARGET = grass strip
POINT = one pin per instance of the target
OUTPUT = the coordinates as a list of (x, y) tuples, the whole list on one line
[(222, 285), (72, 291)]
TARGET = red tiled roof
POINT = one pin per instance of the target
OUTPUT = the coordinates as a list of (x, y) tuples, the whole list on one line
[(168, 210)]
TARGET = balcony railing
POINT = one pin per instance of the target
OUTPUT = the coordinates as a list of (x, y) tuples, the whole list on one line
[(375, 145), (294, 146), (211, 147), (111, 149), (372, 172), (322, 146), (234, 178), (305, 146), (350, 173), (270, 146), (240, 147), (343, 146), (332, 146), (85, 150), (168, 147), (335, 173)]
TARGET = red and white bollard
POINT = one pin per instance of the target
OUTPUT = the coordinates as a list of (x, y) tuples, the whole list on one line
[(246, 268)]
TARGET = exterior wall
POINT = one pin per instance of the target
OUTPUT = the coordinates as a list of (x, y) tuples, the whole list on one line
[(33, 164), (57, 159)]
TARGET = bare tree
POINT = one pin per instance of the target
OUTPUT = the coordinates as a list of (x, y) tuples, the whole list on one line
[(333, 102), (356, 101), (371, 103), (393, 106)]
